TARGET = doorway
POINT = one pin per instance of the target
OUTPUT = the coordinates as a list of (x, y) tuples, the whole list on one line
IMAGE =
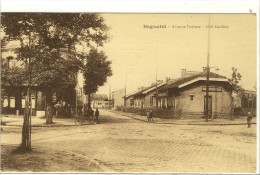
[(209, 105)]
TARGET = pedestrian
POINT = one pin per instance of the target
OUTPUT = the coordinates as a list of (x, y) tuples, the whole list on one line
[(249, 119), (97, 115), (92, 114), (149, 115)]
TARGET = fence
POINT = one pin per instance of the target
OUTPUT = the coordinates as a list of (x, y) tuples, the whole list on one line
[(171, 113), (244, 111)]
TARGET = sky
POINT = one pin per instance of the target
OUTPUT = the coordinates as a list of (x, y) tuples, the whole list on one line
[(137, 53)]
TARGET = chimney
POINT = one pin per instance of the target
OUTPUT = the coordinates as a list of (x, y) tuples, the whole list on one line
[(167, 79), (204, 70), (183, 73), (141, 87), (159, 81)]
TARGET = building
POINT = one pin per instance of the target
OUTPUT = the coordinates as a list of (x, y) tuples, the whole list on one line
[(187, 95), (117, 98), (145, 97), (100, 101), (248, 102), (13, 96)]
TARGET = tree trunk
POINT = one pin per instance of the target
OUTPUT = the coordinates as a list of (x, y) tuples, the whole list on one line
[(25, 133), (49, 114), (89, 101), (25, 145), (26, 130)]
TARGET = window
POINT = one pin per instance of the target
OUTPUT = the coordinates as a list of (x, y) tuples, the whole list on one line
[(5, 102), (191, 98), (154, 101), (131, 102), (151, 100), (12, 102), (23, 102), (33, 102)]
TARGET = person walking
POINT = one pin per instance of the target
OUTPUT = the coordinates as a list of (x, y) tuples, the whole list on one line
[(149, 115), (97, 115), (249, 119)]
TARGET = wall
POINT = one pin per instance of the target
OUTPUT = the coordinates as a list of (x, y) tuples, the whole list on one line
[(128, 101), (117, 96), (221, 101), (13, 102), (147, 98), (100, 104)]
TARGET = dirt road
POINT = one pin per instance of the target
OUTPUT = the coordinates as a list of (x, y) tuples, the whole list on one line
[(122, 144)]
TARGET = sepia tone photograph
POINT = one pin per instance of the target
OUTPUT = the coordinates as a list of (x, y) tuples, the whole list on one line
[(128, 92)]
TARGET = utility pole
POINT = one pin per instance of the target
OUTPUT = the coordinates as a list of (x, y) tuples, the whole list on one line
[(110, 96), (125, 83), (156, 95), (207, 73)]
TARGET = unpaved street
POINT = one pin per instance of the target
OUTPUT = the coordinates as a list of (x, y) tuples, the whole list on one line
[(122, 144)]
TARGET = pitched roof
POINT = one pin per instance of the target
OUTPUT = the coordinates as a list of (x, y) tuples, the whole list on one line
[(151, 88), (181, 82), (100, 96), (145, 90), (139, 91)]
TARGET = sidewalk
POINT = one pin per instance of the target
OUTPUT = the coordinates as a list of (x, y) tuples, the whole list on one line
[(13, 120), (197, 121)]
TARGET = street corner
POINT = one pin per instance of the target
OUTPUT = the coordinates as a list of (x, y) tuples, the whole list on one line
[(11, 120), (42, 160)]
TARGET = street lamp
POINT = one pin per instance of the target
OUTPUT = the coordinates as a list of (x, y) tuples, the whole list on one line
[(125, 84), (207, 90), (156, 86), (207, 72)]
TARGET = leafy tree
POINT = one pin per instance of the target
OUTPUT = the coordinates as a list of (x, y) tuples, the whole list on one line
[(14, 76), (96, 71), (234, 80), (235, 88), (43, 37)]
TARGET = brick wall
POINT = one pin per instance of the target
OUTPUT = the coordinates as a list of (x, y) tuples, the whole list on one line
[(221, 101)]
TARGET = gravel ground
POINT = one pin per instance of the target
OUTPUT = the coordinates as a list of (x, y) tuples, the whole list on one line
[(123, 144)]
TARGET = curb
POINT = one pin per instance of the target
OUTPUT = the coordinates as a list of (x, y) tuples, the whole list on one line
[(38, 125), (130, 116), (207, 124)]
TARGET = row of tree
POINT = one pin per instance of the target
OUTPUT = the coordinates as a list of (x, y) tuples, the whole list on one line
[(49, 47)]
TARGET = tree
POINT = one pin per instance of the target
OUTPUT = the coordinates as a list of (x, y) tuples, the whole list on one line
[(96, 71), (41, 37), (235, 88)]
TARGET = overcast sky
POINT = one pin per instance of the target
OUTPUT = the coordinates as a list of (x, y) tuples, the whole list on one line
[(135, 50)]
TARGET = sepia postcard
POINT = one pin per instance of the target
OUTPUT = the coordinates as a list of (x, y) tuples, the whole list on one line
[(130, 91)]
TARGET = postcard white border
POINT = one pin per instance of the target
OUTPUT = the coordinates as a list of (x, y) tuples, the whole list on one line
[(143, 6), (134, 6)]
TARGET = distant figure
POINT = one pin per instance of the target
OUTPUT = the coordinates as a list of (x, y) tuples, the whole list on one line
[(249, 119), (97, 115), (49, 113), (85, 111), (92, 114), (149, 115)]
